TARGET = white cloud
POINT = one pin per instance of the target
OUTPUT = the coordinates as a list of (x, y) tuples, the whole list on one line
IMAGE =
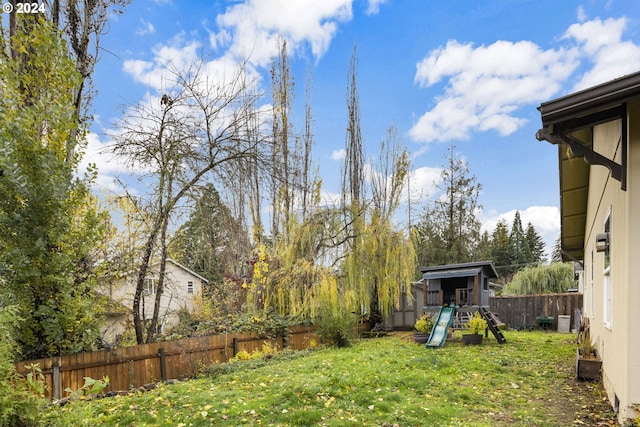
[(422, 183), (601, 43), (339, 154), (252, 29), (486, 85), (581, 14), (98, 152), (545, 219), (373, 6), (147, 28), (159, 73)]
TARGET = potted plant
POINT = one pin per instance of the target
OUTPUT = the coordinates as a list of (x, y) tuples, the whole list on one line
[(475, 325), (423, 327), (588, 363)]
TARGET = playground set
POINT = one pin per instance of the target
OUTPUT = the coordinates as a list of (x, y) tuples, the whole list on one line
[(455, 292)]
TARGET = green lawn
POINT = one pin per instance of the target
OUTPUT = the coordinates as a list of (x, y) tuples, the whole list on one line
[(391, 381)]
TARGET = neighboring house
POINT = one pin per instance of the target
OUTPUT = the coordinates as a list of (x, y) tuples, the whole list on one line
[(597, 131), (181, 286)]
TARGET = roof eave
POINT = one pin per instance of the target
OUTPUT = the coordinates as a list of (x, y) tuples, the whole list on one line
[(590, 100)]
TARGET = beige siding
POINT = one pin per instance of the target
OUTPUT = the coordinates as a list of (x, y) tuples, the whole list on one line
[(632, 326), (174, 298), (617, 341)]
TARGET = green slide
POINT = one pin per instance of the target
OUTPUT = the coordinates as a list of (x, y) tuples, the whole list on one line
[(439, 332)]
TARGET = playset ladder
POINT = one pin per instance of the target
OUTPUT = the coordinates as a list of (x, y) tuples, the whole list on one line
[(493, 326)]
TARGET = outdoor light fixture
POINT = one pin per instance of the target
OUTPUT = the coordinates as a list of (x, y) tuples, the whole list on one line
[(602, 242)]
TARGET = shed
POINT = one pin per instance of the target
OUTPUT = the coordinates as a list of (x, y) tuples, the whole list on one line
[(462, 285)]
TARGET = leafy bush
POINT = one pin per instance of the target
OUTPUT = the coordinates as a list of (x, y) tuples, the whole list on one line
[(477, 323), (18, 405), (90, 387), (268, 324), (336, 329), (424, 324)]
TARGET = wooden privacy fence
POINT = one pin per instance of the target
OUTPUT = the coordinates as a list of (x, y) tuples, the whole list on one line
[(512, 308), (133, 367)]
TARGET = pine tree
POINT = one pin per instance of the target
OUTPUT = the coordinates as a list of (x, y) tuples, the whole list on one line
[(483, 251), (556, 253), (500, 245), (520, 251), (536, 244)]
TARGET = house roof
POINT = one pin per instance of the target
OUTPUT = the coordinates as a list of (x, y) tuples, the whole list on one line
[(182, 267), (459, 270), (575, 115)]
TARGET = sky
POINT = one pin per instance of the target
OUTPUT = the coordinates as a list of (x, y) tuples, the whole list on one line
[(468, 73)]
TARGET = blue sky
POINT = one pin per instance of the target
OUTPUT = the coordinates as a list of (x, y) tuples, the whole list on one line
[(465, 72)]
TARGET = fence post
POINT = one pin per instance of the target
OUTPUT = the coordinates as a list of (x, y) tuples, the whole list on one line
[(55, 379), (163, 366), (235, 346)]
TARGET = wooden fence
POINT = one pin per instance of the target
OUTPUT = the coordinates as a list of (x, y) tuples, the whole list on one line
[(133, 367), (511, 309)]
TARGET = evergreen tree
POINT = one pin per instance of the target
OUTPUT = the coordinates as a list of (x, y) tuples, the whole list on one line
[(556, 253), (500, 245), (520, 251), (483, 251), (450, 228), (536, 244), (211, 242)]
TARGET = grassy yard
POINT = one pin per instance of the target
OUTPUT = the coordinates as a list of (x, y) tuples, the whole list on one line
[(391, 381)]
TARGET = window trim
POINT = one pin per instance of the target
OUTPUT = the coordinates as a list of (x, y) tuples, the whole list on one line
[(607, 285)]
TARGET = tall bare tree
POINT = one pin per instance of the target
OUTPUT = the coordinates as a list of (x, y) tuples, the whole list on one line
[(201, 127), (353, 172), (281, 173)]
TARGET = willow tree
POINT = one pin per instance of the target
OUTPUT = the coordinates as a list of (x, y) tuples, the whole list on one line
[(552, 278), (383, 263)]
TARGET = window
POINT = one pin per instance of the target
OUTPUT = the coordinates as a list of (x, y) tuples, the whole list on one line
[(485, 284), (607, 305), (190, 287), (150, 286)]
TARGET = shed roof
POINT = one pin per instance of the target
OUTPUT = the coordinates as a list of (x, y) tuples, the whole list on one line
[(445, 274), (459, 270)]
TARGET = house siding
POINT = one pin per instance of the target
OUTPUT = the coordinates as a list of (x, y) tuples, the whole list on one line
[(175, 297), (618, 339), (632, 298)]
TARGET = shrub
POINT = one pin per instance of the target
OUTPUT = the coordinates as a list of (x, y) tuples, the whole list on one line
[(477, 323), (424, 324), (336, 329), (18, 405)]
